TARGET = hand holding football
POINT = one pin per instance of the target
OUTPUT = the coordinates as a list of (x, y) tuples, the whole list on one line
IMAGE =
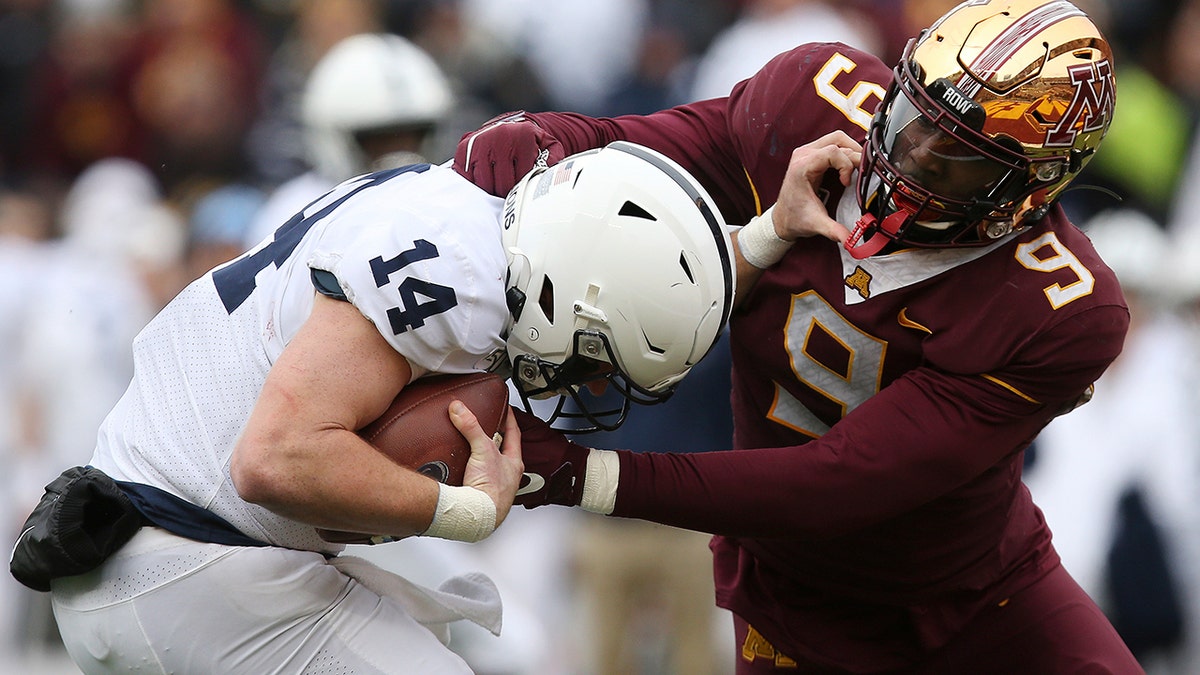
[(416, 432)]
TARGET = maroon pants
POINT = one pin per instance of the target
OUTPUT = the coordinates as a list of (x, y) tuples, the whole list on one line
[(1050, 628)]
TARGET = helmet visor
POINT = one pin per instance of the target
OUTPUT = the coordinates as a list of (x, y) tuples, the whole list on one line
[(928, 155)]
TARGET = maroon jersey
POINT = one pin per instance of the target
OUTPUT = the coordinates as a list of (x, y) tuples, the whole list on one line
[(881, 407)]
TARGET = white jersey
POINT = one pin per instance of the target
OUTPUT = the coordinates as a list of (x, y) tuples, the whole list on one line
[(417, 250), (286, 200)]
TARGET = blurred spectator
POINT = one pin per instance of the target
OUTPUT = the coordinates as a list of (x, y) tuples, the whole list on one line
[(766, 28), (198, 69), (1146, 146), (25, 222), (675, 34), (648, 588), (1184, 222), (218, 225), (1182, 282), (373, 102), (489, 73), (24, 37), (80, 109), (661, 78), (580, 50), (1183, 52), (116, 214), (276, 140), (116, 264)]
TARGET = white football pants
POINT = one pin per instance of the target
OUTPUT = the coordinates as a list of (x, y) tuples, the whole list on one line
[(165, 604)]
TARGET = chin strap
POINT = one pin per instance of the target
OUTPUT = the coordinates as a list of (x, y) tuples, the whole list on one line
[(860, 249)]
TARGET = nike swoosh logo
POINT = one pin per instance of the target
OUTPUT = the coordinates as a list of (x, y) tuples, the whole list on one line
[(903, 320), (536, 482)]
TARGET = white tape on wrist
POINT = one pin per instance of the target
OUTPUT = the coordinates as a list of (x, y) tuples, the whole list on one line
[(600, 482), (758, 242), (463, 514)]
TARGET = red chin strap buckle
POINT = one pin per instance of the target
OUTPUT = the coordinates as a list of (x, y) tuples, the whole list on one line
[(859, 249)]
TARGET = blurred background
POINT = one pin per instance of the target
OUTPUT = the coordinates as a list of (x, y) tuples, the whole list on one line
[(144, 141)]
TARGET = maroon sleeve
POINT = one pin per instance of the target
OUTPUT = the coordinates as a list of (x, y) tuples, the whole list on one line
[(739, 146), (695, 135), (922, 436)]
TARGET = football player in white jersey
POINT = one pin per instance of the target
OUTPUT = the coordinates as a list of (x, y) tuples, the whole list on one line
[(236, 436)]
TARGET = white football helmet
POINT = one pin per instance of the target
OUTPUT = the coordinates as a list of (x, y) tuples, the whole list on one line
[(621, 269), (369, 83)]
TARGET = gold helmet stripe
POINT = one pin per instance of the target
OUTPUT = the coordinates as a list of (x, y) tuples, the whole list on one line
[(1007, 43)]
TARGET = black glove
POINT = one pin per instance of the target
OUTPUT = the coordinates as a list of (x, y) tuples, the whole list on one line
[(554, 466), (497, 156)]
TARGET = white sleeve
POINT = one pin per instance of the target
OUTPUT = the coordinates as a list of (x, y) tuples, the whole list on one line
[(433, 288)]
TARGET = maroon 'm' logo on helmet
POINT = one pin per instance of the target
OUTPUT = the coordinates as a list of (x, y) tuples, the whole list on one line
[(1091, 107)]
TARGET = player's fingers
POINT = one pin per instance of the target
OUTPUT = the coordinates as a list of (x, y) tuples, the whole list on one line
[(854, 158), (837, 160), (814, 160), (833, 230), (511, 444), (468, 425), (818, 223), (838, 138), (844, 161)]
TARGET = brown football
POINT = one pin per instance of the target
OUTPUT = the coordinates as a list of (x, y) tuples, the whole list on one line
[(415, 431)]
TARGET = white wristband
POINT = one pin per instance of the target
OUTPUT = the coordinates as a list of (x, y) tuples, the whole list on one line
[(758, 242), (600, 482), (463, 514)]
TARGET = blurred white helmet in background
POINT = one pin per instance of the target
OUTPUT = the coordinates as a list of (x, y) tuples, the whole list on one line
[(114, 210), (372, 83)]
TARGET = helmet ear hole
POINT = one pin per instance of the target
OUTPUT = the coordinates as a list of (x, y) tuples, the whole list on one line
[(635, 211), (687, 269), (546, 299)]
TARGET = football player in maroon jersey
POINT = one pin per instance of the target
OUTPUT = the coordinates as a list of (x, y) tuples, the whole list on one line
[(886, 384)]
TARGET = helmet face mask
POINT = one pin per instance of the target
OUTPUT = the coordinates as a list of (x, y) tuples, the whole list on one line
[(620, 274), (992, 112), (579, 382), (935, 166)]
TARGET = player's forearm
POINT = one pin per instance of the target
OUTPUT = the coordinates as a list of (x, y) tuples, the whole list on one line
[(577, 132), (334, 480), (905, 447), (773, 492)]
